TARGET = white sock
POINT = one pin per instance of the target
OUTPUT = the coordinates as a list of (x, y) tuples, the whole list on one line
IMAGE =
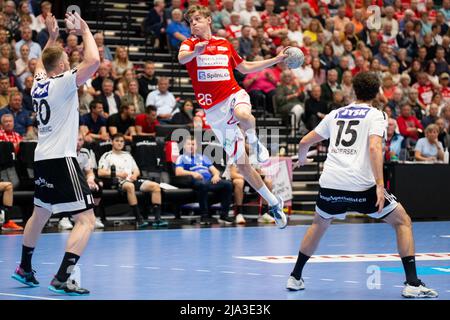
[(251, 136), (268, 196)]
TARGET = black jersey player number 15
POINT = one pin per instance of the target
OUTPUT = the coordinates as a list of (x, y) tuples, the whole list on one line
[(42, 110)]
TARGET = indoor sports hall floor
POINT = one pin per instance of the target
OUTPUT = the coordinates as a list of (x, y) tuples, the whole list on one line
[(227, 263)]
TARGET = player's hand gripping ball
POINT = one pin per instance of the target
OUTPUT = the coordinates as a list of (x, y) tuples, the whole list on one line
[(295, 58)]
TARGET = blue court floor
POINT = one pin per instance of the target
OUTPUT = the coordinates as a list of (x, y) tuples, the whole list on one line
[(235, 263)]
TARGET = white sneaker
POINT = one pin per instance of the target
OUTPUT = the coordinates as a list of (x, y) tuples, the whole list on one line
[(99, 224), (261, 152), (419, 292), (278, 214), (240, 219), (2, 217), (266, 218), (294, 284), (65, 224)]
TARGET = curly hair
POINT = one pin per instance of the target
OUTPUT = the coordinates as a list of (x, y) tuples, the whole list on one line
[(366, 86)]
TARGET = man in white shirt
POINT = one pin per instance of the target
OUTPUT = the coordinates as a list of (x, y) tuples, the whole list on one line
[(352, 180), (162, 99), (248, 12)]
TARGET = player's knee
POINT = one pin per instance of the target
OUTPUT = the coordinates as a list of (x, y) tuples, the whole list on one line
[(243, 114), (9, 186), (238, 184)]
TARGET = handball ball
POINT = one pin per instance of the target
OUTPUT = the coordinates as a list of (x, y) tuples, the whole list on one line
[(295, 58)]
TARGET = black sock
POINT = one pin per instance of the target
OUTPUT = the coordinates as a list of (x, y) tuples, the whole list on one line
[(265, 208), (409, 264), (301, 261), (69, 260), (157, 211), (136, 212), (27, 254)]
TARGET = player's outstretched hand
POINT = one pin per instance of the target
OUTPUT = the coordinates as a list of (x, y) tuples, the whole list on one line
[(282, 55), (380, 198), (75, 24), (52, 26), (200, 47), (302, 160)]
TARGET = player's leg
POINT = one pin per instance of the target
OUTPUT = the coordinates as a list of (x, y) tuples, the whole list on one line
[(401, 222), (308, 247), (155, 190), (24, 272), (255, 180), (7, 203), (247, 122), (77, 242), (98, 211), (224, 190), (238, 191), (266, 217), (129, 188)]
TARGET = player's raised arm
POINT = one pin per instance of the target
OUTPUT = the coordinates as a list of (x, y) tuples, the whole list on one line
[(53, 32), (185, 56), (255, 66), (91, 59)]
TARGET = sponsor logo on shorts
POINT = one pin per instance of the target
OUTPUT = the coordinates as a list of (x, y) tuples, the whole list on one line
[(213, 75), (342, 199), (217, 60), (40, 182)]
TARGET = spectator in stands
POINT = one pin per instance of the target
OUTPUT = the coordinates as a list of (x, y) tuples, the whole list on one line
[(110, 100), (338, 101), (315, 108), (330, 86), (225, 13), (432, 116), (103, 73), (22, 62), (11, 17), (261, 87), (445, 89), (440, 21), (35, 48), (429, 148), (146, 122), (7, 132), (27, 99), (177, 30), (306, 15), (100, 41), (123, 122), (186, 114), (5, 71), (46, 8), (122, 84), (424, 88), (340, 20), (24, 10), (409, 126), (147, 80), (155, 23), (396, 102), (31, 68), (394, 142), (4, 91), (22, 120), (162, 99), (206, 178), (248, 12), (440, 62), (347, 87), (133, 97), (234, 29), (444, 136), (295, 33), (327, 57), (388, 86), (245, 42), (276, 30), (288, 100), (121, 62), (127, 173), (93, 124), (6, 188)]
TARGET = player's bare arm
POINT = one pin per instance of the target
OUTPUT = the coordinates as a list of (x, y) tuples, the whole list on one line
[(255, 66), (307, 141), (53, 34)]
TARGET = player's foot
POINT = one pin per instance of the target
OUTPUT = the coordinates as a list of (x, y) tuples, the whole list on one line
[(240, 219), (27, 278), (207, 220), (278, 214), (261, 152), (160, 224), (99, 224), (223, 219), (420, 291), (11, 226), (266, 218), (141, 223), (294, 284), (65, 224), (70, 287)]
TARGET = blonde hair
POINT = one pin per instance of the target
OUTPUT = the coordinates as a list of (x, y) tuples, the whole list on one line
[(204, 11), (51, 56), (432, 127)]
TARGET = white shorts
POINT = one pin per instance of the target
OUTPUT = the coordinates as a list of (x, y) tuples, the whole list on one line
[(225, 125)]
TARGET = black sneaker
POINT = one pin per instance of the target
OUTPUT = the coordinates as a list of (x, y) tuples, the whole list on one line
[(226, 220), (141, 223), (207, 220), (27, 278), (70, 288)]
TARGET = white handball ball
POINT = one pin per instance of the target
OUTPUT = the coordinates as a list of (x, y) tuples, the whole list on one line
[(295, 58)]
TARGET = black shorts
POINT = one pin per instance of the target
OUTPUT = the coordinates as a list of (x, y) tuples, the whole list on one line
[(137, 184), (60, 186), (332, 203)]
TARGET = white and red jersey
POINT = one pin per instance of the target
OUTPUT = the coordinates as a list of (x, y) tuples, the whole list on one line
[(234, 31), (425, 93), (212, 72), (446, 94)]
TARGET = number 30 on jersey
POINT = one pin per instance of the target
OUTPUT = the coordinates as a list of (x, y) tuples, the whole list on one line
[(42, 110)]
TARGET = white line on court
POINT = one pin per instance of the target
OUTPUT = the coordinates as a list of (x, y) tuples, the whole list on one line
[(278, 275), (48, 263), (254, 274), (228, 272), (397, 286), (153, 268), (130, 267), (200, 270), (26, 296), (101, 265), (177, 269), (327, 279), (351, 281)]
